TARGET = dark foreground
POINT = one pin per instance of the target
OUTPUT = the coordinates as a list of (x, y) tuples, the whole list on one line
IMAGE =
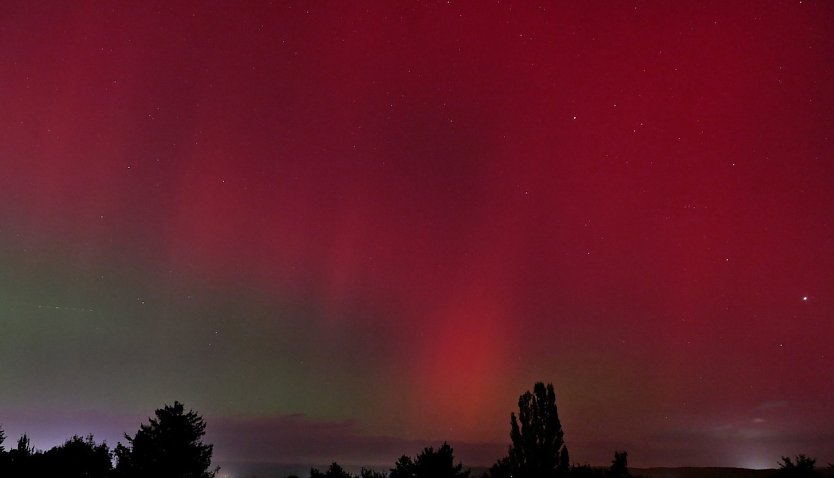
[(714, 472), (281, 470)]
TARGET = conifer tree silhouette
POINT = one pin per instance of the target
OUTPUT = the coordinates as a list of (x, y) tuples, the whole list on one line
[(169, 446)]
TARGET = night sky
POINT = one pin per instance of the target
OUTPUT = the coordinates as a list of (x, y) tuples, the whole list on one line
[(343, 230)]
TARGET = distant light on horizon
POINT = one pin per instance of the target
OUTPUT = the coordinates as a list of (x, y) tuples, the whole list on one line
[(756, 463)]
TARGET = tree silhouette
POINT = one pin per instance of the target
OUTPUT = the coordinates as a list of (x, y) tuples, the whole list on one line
[(23, 460), (538, 448), (438, 464), (24, 447), (3, 456), (502, 468), (430, 463), (403, 468), (367, 473), (801, 468), (335, 471), (564, 459), (169, 446), (619, 466), (78, 458), (585, 471)]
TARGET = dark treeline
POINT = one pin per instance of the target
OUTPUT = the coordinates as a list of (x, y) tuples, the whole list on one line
[(537, 450), (170, 446), (432, 463)]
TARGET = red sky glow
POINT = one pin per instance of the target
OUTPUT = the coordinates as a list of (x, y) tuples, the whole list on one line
[(341, 230)]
